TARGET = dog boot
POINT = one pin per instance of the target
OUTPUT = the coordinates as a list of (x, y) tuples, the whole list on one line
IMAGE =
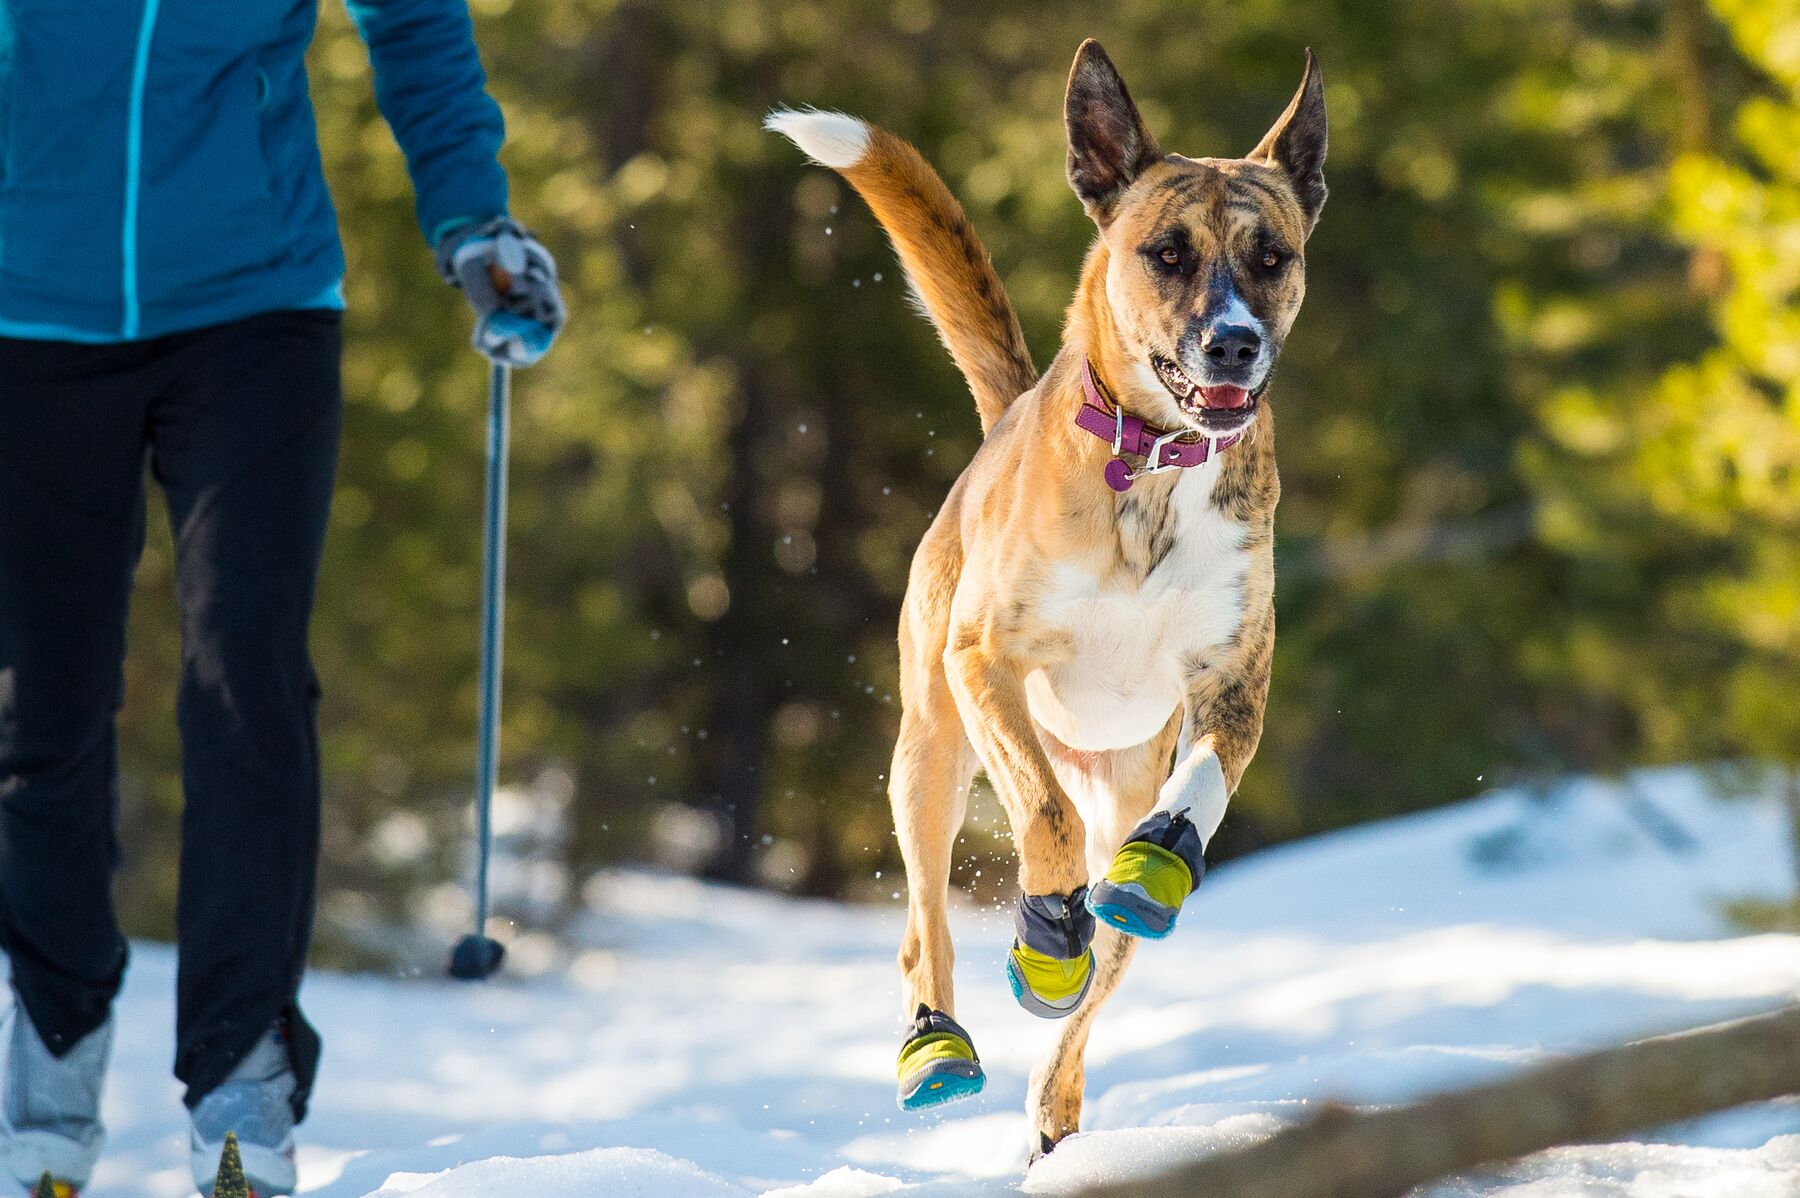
[(937, 1063), (1052, 960), (1152, 874), (51, 1124), (257, 1104)]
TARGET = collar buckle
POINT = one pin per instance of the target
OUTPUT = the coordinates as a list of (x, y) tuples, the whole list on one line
[(1153, 464)]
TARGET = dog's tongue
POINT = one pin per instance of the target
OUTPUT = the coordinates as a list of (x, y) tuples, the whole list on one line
[(1225, 395)]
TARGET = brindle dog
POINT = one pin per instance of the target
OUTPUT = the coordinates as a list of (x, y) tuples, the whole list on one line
[(1072, 638)]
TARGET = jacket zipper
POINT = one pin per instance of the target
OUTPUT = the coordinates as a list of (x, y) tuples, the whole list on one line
[(134, 158)]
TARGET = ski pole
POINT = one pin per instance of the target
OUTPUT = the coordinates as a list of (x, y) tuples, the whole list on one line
[(478, 955)]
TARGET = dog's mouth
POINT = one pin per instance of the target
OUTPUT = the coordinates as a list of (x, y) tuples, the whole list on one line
[(1218, 408)]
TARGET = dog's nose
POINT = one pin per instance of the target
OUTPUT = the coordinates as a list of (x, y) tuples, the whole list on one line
[(1229, 346)]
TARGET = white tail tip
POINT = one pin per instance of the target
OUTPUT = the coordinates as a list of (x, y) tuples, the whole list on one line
[(829, 138)]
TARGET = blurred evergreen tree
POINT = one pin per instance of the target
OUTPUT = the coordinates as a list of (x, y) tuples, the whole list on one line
[(721, 473), (1667, 431)]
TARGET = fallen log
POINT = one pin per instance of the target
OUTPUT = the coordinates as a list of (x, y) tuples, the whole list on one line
[(1595, 1097)]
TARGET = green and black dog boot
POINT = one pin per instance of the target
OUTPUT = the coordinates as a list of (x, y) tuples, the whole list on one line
[(1052, 960), (1152, 874), (937, 1063)]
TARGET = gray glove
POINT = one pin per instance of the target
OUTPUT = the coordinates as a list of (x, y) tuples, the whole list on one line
[(510, 281)]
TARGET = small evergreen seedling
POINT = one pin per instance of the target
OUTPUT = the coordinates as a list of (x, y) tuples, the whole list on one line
[(231, 1183)]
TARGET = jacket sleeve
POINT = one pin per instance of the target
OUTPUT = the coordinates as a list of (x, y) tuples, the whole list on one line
[(430, 86)]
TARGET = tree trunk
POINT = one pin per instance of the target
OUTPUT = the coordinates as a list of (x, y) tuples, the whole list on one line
[(1683, 28), (730, 760)]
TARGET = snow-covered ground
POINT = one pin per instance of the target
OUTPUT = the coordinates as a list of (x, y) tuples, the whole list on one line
[(719, 1044)]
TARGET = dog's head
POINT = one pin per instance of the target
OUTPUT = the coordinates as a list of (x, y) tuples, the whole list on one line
[(1204, 267)]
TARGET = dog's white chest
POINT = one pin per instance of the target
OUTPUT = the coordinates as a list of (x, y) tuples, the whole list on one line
[(1130, 647)]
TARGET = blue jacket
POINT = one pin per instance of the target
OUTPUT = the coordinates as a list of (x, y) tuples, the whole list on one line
[(159, 167)]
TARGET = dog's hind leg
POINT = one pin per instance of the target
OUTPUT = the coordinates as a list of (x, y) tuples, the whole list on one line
[(1114, 790), (1053, 1102), (929, 788), (934, 764)]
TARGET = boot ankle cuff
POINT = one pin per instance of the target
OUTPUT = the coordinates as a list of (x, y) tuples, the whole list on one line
[(1056, 925)]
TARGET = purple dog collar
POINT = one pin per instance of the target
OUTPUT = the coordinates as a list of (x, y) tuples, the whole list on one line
[(1161, 451)]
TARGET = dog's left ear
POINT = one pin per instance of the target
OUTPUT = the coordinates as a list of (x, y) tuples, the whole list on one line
[(1109, 147), (1297, 142)]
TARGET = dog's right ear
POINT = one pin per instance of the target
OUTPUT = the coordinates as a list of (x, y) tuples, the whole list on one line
[(1108, 144)]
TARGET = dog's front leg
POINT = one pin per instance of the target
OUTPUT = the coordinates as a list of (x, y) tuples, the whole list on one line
[(1051, 965), (989, 688), (1218, 741), (1224, 724), (1221, 741), (1162, 860)]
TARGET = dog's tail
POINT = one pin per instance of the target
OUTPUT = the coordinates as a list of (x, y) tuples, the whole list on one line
[(951, 275)]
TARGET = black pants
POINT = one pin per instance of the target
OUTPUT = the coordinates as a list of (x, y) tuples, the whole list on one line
[(239, 424)]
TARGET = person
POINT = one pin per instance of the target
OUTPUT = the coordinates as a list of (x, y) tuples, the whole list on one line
[(170, 291)]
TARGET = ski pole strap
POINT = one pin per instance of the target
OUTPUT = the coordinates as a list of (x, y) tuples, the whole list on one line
[(1057, 925)]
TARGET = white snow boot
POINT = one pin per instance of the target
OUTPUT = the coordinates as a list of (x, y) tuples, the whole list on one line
[(50, 1118), (256, 1102)]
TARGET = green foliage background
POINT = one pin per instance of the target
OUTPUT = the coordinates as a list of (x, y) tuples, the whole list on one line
[(1539, 419)]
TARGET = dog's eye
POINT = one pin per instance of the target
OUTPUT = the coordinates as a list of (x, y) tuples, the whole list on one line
[(1271, 258), (1169, 256)]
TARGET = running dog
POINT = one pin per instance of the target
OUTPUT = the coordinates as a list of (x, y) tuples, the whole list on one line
[(1094, 601)]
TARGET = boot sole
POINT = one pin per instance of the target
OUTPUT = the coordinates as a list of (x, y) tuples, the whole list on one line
[(942, 1082), (1131, 914)]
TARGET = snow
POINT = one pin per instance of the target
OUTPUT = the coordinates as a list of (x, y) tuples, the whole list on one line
[(712, 1043)]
